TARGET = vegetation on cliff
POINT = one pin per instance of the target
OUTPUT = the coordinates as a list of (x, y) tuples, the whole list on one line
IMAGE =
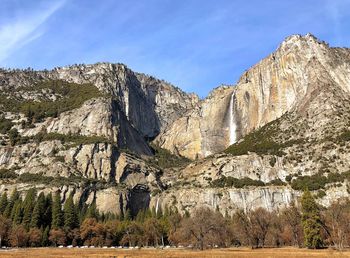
[(67, 96), (262, 141), (236, 182), (165, 159)]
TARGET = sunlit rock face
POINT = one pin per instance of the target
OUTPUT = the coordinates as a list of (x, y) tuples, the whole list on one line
[(149, 104), (280, 81), (204, 130), (266, 91), (303, 88), (227, 201)]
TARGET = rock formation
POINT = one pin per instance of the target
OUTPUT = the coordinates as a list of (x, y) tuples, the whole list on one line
[(264, 93), (283, 126)]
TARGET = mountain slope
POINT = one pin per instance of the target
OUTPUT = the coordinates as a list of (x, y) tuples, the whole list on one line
[(83, 129), (264, 93), (307, 147), (97, 131)]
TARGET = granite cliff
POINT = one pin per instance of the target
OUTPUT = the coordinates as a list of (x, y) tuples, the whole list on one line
[(120, 138)]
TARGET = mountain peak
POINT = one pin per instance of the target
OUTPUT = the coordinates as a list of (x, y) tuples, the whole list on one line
[(299, 37), (301, 40)]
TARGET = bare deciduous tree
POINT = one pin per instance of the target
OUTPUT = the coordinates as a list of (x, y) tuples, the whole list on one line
[(5, 225), (57, 237), (203, 229), (18, 236), (337, 218), (291, 218)]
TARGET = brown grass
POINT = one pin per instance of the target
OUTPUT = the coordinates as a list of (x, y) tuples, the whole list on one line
[(171, 253)]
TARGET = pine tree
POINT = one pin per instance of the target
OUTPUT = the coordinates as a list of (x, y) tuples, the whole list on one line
[(92, 211), (48, 211), (82, 212), (14, 197), (17, 212), (45, 239), (57, 215), (3, 202), (38, 212), (28, 206), (70, 216), (311, 221)]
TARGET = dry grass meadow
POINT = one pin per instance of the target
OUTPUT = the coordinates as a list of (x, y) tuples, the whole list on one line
[(170, 253)]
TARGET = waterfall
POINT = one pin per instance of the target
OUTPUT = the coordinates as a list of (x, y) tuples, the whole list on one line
[(157, 205), (232, 125)]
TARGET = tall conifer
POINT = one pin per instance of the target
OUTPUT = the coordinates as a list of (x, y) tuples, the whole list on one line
[(57, 215), (311, 221)]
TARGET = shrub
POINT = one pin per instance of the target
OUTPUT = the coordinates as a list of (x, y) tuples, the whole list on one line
[(35, 178), (5, 125), (54, 181), (345, 136), (165, 159), (71, 138), (289, 178), (7, 173), (277, 182), (321, 194), (14, 136), (273, 161), (318, 181), (235, 182)]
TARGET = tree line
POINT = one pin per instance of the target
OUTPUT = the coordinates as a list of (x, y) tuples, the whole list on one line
[(42, 220)]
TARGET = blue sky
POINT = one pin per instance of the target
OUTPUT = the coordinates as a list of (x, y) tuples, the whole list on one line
[(194, 44)]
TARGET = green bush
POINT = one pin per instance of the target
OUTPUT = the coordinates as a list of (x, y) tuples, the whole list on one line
[(14, 136), (235, 182), (53, 181), (318, 181), (165, 159), (35, 178), (7, 173), (5, 125), (277, 182), (273, 161), (345, 136), (71, 138), (321, 194), (289, 178)]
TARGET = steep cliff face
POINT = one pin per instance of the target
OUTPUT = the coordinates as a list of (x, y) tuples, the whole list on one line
[(149, 104), (87, 143), (92, 172), (269, 89), (87, 129), (306, 147), (283, 79), (202, 131)]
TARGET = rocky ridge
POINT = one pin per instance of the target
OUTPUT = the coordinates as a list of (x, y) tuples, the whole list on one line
[(288, 115)]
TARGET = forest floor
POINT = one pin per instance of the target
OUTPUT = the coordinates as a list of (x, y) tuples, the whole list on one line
[(170, 253)]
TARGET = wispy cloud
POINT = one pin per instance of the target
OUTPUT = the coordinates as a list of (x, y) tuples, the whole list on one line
[(19, 31)]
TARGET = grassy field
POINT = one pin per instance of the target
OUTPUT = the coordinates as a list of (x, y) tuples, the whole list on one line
[(170, 253)]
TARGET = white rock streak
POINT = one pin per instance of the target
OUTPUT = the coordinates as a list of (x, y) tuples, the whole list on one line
[(232, 120)]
